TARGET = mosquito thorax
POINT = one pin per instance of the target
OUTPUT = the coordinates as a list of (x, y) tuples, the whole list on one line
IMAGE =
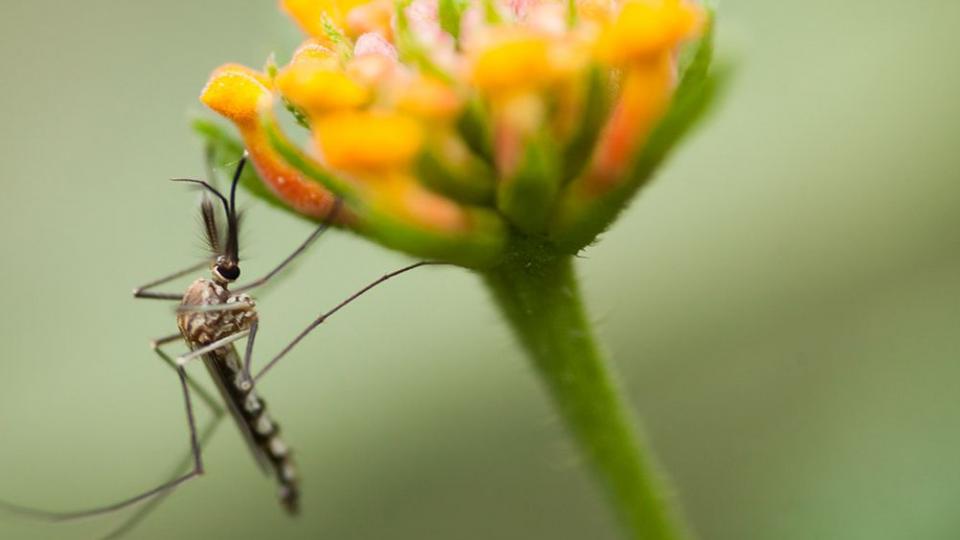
[(201, 327)]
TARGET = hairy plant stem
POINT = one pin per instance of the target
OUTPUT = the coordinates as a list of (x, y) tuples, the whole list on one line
[(536, 289)]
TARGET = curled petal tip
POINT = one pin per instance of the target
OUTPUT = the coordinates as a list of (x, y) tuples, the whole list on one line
[(310, 14), (512, 62), (374, 43), (319, 89), (236, 92), (645, 28), (313, 50)]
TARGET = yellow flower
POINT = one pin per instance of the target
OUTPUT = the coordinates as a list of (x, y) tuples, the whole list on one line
[(513, 62), (310, 14), (237, 92), (647, 28), (368, 141), (318, 89), (499, 135), (417, 118), (240, 93)]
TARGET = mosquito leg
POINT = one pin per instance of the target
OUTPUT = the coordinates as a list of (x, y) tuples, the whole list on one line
[(208, 399), (207, 308), (153, 503), (319, 320), (184, 463), (248, 355), (144, 290), (297, 252), (195, 471), (155, 344), (196, 353)]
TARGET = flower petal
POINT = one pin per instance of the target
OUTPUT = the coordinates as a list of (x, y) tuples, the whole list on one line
[(240, 94)]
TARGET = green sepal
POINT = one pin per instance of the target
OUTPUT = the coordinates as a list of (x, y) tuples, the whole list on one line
[(491, 13), (298, 113), (572, 14), (581, 216), (449, 12), (596, 109), (342, 45), (270, 66), (695, 59), (526, 197), (271, 69), (480, 247), (411, 51), (473, 125), (471, 181)]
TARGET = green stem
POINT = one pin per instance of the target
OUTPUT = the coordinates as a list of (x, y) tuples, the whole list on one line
[(536, 289)]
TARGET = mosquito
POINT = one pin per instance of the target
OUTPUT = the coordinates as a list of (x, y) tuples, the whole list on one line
[(212, 317)]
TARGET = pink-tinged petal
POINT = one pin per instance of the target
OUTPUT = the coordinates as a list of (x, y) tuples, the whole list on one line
[(520, 8), (472, 26), (375, 16), (373, 70), (425, 24), (423, 14), (373, 43), (549, 18)]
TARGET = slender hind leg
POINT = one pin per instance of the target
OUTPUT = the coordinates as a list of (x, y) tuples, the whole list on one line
[(149, 506), (195, 471), (319, 320), (209, 400), (186, 461)]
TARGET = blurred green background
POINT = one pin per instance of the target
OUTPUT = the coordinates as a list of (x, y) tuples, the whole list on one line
[(782, 301)]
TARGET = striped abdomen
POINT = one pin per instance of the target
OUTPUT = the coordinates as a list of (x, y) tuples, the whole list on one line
[(250, 412)]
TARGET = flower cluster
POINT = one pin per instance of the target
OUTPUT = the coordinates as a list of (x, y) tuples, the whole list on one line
[(450, 126)]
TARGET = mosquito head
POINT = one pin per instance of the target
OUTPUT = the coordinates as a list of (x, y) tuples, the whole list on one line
[(225, 270), (226, 248)]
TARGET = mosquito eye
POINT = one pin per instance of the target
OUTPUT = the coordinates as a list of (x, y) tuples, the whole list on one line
[(229, 272)]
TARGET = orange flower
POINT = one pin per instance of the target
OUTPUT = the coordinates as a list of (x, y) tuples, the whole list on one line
[(542, 104), (318, 89), (310, 14), (240, 93), (644, 29), (367, 141)]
